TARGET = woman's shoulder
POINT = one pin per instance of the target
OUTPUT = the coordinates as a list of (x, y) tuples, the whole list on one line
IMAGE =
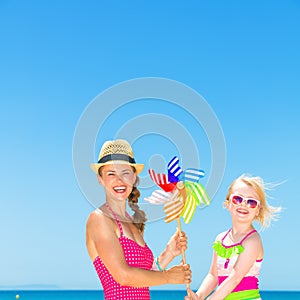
[(98, 216), (100, 225)]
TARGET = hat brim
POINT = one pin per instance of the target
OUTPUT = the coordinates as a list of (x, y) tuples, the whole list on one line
[(138, 167)]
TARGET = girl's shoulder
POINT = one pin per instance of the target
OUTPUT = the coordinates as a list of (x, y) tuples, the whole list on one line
[(252, 238), (253, 244), (220, 236)]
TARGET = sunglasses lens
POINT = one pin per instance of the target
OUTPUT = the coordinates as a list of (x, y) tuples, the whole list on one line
[(252, 203), (237, 199)]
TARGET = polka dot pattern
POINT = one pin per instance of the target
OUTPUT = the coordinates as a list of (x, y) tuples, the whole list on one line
[(135, 256)]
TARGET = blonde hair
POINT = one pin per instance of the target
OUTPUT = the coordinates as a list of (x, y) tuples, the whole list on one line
[(267, 213)]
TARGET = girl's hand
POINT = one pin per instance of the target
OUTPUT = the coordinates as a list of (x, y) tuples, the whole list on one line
[(191, 295), (179, 274), (177, 243)]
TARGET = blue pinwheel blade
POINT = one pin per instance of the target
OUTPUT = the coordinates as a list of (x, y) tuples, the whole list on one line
[(174, 170), (193, 175)]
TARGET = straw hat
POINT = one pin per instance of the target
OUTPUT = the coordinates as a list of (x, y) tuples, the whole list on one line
[(116, 152)]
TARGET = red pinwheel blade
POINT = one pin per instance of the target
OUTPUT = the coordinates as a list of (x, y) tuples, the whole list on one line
[(162, 181)]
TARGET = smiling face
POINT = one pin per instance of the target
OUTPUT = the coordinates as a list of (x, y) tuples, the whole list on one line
[(241, 211), (118, 181)]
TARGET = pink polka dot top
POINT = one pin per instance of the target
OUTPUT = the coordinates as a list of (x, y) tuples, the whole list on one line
[(135, 256)]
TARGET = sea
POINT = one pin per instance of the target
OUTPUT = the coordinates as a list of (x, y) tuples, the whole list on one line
[(98, 295)]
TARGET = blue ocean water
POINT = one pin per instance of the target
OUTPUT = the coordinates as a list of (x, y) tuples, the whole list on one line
[(98, 295)]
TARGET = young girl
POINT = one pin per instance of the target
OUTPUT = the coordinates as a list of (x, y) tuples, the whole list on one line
[(114, 239), (238, 252)]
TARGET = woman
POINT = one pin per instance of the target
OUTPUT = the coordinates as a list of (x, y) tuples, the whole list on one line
[(114, 239), (238, 252)]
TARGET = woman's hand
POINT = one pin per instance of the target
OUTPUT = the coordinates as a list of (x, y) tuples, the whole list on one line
[(177, 243), (191, 295), (175, 246), (179, 274)]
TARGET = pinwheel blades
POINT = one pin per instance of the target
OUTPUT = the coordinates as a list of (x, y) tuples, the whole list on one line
[(185, 197), (174, 170), (159, 197), (173, 208), (198, 192), (162, 181), (189, 209), (193, 175)]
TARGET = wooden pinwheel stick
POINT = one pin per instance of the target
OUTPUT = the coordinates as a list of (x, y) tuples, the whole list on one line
[(182, 251), (181, 188)]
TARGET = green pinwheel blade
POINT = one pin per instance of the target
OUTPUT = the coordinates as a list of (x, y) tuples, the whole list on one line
[(189, 209), (198, 192)]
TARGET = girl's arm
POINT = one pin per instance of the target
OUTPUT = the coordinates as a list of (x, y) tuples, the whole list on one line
[(208, 284), (252, 251), (210, 281), (101, 231)]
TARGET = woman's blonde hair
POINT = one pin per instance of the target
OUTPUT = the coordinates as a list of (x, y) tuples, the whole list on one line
[(267, 213)]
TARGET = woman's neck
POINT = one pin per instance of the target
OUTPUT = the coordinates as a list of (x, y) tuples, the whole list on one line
[(118, 207)]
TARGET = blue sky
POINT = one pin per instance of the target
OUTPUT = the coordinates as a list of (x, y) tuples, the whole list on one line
[(56, 57)]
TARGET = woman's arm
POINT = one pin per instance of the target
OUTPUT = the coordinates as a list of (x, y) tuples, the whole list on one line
[(102, 232), (176, 244), (252, 251)]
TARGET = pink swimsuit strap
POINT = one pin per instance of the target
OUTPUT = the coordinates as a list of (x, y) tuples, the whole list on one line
[(240, 242), (136, 256), (116, 218)]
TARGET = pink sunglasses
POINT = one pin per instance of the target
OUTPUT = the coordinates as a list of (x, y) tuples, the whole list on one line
[(237, 200)]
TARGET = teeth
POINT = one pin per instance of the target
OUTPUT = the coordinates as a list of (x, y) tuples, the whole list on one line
[(119, 189)]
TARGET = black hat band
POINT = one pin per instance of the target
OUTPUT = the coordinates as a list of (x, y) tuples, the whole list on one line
[(111, 157)]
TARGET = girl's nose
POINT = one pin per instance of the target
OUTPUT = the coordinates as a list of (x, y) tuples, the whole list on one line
[(244, 203)]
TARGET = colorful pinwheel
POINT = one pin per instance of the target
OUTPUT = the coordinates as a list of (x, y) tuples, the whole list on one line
[(182, 192)]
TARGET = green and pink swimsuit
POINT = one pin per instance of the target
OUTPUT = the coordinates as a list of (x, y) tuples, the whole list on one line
[(227, 257)]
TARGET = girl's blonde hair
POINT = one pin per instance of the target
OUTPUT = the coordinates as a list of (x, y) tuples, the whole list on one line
[(267, 213)]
